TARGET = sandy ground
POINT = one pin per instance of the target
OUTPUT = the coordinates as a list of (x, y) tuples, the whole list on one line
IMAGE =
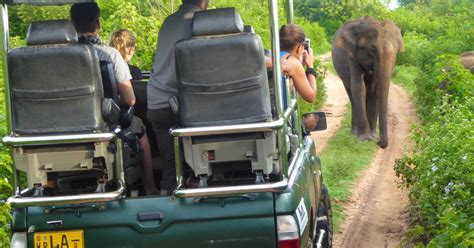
[(377, 214), (376, 210), (335, 108)]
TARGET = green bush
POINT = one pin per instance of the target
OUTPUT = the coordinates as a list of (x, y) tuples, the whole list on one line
[(145, 27), (405, 75), (439, 171), (441, 177), (445, 79), (332, 14), (417, 50)]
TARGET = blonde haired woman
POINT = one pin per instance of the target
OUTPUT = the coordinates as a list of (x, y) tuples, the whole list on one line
[(124, 41)]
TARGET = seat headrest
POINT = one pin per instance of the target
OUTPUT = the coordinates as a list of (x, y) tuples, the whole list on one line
[(249, 29), (51, 32), (217, 22)]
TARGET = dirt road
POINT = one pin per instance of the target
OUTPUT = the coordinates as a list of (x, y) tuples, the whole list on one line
[(335, 108), (376, 212)]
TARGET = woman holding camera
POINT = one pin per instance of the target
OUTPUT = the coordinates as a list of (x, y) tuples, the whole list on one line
[(296, 52)]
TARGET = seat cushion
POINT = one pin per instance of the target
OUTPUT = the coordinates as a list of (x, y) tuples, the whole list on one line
[(55, 89), (222, 80)]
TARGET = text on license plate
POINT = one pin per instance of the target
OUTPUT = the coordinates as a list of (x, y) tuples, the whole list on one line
[(61, 239)]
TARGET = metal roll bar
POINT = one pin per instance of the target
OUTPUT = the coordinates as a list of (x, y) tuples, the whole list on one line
[(242, 189), (46, 2), (277, 187), (58, 139), (45, 201), (289, 12), (243, 128), (5, 43)]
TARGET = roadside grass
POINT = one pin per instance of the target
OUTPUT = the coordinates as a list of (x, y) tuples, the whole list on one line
[(343, 158), (405, 75)]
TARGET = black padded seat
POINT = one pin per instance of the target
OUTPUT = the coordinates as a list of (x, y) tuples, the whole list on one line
[(222, 76), (55, 82)]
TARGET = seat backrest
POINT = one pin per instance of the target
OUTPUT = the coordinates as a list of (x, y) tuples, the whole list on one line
[(222, 78), (56, 84)]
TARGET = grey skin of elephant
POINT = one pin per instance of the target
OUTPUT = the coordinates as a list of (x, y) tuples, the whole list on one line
[(364, 53), (467, 60)]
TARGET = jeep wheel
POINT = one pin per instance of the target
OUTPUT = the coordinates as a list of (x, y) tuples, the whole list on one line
[(324, 221)]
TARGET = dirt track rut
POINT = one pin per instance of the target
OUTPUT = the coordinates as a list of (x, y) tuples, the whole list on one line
[(377, 209)]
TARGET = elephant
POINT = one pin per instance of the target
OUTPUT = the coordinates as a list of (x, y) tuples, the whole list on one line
[(364, 53), (467, 60)]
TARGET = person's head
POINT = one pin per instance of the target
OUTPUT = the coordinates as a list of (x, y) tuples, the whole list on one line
[(85, 17), (124, 41), (292, 39), (202, 4)]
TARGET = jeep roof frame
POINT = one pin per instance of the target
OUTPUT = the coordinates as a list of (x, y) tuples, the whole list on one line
[(288, 168)]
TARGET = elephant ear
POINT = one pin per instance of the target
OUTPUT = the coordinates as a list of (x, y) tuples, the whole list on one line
[(401, 45), (397, 34), (347, 41)]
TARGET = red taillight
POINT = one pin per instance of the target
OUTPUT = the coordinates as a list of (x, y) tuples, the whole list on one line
[(293, 243), (288, 235)]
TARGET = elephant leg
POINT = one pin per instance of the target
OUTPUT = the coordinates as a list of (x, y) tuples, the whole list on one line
[(341, 64), (358, 91), (371, 103), (349, 94)]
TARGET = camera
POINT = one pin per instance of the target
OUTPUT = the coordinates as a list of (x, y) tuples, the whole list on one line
[(306, 44)]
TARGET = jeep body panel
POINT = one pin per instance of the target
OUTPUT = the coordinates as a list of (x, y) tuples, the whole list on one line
[(305, 191), (212, 222), (234, 221)]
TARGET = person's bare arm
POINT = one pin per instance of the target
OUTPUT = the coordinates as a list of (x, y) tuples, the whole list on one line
[(127, 96), (268, 63), (285, 66), (304, 85)]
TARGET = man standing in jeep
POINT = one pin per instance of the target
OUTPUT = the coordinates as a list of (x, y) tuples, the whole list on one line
[(163, 84)]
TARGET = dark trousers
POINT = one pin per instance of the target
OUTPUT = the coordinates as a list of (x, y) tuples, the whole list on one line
[(162, 120)]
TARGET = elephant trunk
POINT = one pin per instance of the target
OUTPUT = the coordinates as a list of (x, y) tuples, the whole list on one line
[(383, 85)]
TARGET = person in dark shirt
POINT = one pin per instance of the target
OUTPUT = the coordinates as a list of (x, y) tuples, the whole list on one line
[(163, 84)]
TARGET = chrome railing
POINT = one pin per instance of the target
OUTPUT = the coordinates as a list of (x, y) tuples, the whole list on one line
[(276, 187), (57, 139), (242, 128), (45, 201), (232, 190)]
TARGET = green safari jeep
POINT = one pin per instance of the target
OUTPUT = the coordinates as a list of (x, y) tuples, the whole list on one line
[(258, 180)]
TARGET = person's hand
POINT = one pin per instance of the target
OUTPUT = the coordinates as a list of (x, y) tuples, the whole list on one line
[(308, 58), (287, 68)]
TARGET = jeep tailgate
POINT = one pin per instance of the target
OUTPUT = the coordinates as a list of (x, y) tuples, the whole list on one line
[(165, 222)]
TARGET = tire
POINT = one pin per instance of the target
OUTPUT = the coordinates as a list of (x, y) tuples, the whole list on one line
[(324, 220)]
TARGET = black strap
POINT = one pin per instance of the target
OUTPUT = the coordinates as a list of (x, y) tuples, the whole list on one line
[(312, 72), (108, 81)]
